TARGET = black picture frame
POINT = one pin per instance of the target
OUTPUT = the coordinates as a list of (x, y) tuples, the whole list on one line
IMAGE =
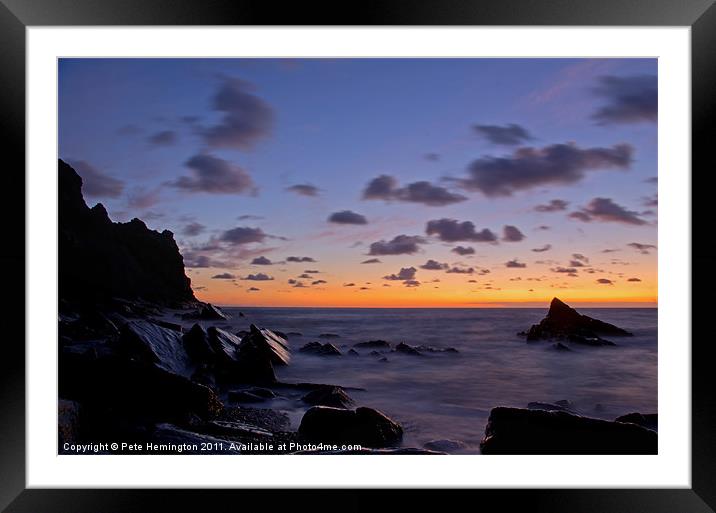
[(17, 15)]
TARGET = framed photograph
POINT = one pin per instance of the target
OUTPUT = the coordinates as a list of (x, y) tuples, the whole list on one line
[(423, 247)]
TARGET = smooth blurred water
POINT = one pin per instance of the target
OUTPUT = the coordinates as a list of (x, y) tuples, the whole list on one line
[(449, 396)]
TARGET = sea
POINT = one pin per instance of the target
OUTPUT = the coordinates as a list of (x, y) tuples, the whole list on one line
[(448, 396)]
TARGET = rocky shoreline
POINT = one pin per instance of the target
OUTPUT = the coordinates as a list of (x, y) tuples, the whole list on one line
[(131, 372)]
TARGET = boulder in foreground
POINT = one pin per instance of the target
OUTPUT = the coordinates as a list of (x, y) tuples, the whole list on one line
[(520, 431), (564, 322), (363, 426), (265, 342), (329, 395)]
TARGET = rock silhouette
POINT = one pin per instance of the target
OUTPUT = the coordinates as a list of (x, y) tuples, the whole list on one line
[(564, 322), (100, 259), (525, 431)]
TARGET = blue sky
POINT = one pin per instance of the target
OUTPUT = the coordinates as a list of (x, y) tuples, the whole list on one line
[(200, 143)]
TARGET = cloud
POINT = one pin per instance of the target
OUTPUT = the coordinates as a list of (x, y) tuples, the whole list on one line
[(554, 205), (460, 270), (411, 283), (318, 282), (399, 245), (405, 273), (141, 198), (347, 217), (214, 175), (243, 235), (249, 217), (544, 248), (642, 248), (433, 265), (605, 281), (576, 263), (432, 157), (512, 234), (253, 289), (386, 188), (605, 210), (304, 189), (580, 257), (463, 250), (299, 259), (261, 260), (349, 284), (632, 99), (258, 277), (571, 271), (527, 168), (371, 261), (95, 183), (195, 261), (515, 264), (311, 271), (246, 117), (223, 276), (192, 229), (634, 279), (506, 135), (129, 130), (163, 138), (450, 230)]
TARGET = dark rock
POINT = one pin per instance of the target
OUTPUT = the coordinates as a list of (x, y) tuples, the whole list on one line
[(353, 352), (375, 353), (431, 349), (557, 406), (242, 333), (559, 346), (520, 431), (280, 334), (384, 360), (207, 312), (114, 389), (196, 344), (68, 421), (100, 260), (564, 322), (328, 335), (168, 325), (373, 344), (159, 346), (445, 446), (647, 420), (406, 349), (332, 396), (363, 426), (316, 348), (249, 360), (267, 343)]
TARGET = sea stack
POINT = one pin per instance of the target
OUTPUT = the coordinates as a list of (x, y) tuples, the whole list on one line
[(564, 322)]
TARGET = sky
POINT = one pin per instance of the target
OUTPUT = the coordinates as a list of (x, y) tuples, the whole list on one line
[(380, 182)]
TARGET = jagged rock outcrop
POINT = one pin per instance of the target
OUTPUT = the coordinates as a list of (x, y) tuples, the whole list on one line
[(100, 259), (525, 431), (564, 322)]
